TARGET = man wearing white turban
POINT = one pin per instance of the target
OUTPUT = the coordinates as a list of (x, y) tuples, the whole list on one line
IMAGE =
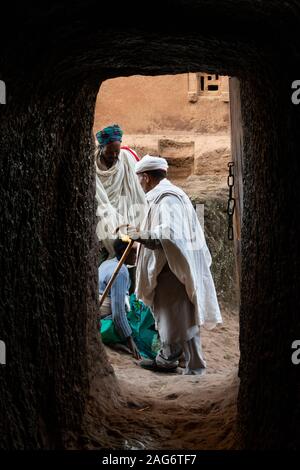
[(173, 270)]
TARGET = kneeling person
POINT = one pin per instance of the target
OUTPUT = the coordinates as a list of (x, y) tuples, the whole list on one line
[(114, 306)]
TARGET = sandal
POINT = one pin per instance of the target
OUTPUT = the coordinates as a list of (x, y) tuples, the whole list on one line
[(151, 364)]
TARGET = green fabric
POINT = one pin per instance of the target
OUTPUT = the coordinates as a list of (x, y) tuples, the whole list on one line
[(141, 321)]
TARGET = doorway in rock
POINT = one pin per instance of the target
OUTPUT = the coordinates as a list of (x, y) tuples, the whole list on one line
[(186, 119)]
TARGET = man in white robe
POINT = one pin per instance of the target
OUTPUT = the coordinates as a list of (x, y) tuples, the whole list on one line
[(173, 270), (119, 196)]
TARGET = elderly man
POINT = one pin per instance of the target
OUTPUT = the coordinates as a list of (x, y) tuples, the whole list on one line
[(173, 275), (119, 196)]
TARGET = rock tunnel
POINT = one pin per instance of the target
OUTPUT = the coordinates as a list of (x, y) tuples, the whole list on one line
[(53, 62)]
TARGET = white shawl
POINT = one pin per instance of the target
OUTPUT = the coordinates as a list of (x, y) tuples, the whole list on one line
[(120, 198), (172, 218)]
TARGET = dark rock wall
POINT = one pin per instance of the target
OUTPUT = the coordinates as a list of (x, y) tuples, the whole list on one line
[(48, 268), (53, 58), (269, 320), (223, 265)]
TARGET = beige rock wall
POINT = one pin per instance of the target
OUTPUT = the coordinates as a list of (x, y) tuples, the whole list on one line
[(197, 162), (146, 105)]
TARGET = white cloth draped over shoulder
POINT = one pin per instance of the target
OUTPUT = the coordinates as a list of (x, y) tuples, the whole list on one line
[(120, 198), (172, 219)]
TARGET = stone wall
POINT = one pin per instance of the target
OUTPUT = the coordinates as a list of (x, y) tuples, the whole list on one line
[(149, 105)]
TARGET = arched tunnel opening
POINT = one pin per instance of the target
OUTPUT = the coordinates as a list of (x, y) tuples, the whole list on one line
[(186, 119), (57, 387)]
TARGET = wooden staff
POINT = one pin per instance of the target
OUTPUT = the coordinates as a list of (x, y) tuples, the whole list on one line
[(116, 271)]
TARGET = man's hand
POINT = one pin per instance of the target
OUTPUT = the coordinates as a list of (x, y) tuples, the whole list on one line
[(129, 230), (133, 348), (121, 229)]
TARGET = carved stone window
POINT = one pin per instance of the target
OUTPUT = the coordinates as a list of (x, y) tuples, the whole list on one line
[(207, 86)]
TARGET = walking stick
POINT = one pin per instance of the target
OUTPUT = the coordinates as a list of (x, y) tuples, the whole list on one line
[(116, 271)]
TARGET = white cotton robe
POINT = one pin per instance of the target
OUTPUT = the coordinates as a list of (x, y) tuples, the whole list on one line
[(120, 198), (184, 257)]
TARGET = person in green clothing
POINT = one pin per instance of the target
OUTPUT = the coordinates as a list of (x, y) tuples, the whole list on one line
[(125, 320)]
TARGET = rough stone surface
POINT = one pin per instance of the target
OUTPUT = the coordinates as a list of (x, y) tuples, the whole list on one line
[(148, 105), (52, 61), (188, 154)]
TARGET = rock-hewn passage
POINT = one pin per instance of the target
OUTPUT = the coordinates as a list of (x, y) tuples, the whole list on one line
[(52, 62)]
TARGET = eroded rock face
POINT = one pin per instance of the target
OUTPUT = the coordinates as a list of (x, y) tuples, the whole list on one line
[(52, 63), (187, 103)]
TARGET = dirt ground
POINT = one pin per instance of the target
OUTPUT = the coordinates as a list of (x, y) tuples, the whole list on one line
[(174, 411)]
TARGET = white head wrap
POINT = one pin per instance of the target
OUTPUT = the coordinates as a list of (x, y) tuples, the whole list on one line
[(149, 163)]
